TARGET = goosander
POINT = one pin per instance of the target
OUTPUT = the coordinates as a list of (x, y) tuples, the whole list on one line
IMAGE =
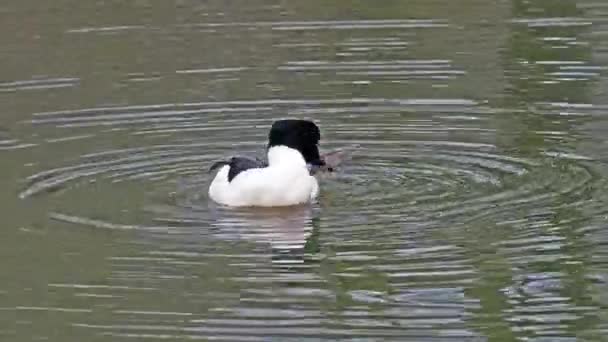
[(286, 179)]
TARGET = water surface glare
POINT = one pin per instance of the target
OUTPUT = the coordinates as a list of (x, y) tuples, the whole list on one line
[(474, 206)]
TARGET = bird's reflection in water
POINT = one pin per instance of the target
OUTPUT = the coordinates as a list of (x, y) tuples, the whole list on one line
[(291, 232)]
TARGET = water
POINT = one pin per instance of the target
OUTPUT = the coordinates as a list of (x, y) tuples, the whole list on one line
[(474, 207)]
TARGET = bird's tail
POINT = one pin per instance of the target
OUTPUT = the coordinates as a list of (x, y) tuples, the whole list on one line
[(218, 164)]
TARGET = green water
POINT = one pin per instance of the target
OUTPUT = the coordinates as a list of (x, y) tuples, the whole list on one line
[(473, 209)]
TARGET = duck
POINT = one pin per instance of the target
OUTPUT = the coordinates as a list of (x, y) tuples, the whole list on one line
[(285, 178)]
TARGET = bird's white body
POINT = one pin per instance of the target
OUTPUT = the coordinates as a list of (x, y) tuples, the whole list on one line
[(285, 181)]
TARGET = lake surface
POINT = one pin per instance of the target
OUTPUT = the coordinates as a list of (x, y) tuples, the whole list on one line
[(474, 208)]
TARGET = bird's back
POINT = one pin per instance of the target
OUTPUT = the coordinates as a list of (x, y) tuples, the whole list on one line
[(268, 186)]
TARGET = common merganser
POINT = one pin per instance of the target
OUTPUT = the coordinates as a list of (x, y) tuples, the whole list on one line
[(286, 179)]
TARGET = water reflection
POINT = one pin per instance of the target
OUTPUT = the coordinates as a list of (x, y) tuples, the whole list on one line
[(292, 233)]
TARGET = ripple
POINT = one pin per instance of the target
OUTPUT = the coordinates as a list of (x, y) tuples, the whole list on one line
[(13, 144), (473, 206), (52, 309), (427, 175), (331, 24), (38, 84), (106, 29), (554, 22), (397, 69), (210, 70), (8, 143), (422, 168)]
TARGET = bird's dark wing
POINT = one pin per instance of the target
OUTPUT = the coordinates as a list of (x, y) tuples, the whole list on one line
[(238, 165)]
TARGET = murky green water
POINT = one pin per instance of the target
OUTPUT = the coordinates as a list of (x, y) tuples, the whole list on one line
[(474, 209)]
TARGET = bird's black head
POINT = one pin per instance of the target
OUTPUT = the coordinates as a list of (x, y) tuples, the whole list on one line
[(301, 135)]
